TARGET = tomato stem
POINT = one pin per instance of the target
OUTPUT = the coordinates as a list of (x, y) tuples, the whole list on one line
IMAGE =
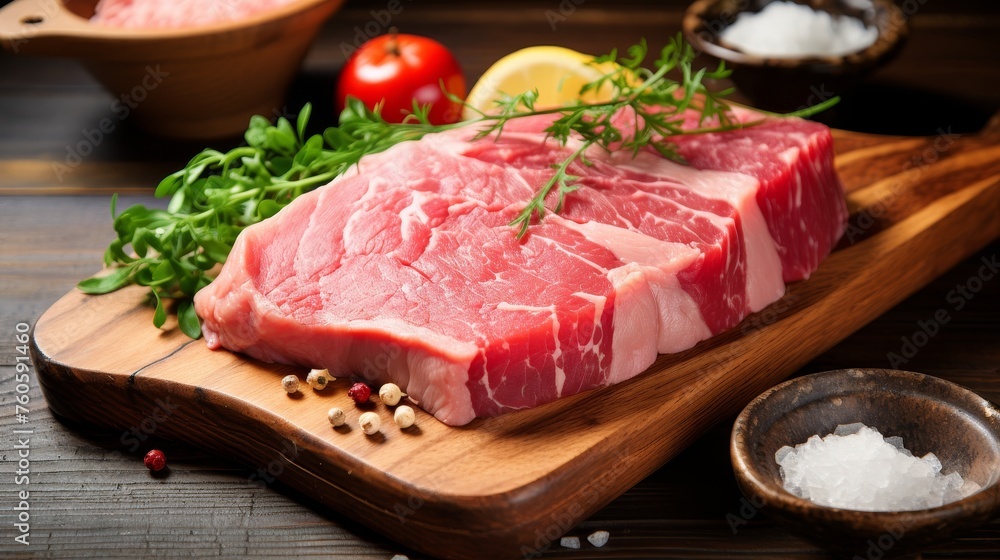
[(393, 45)]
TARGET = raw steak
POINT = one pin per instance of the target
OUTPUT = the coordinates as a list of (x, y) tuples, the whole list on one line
[(800, 195), (407, 270)]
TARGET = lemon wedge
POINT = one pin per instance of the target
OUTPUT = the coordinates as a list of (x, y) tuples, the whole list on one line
[(557, 73)]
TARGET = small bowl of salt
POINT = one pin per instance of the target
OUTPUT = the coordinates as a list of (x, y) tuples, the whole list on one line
[(791, 54), (870, 461)]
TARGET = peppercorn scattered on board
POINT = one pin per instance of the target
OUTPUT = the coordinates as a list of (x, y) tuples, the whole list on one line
[(495, 487)]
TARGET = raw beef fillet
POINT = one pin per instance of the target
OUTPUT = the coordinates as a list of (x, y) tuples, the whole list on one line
[(406, 269), (800, 195)]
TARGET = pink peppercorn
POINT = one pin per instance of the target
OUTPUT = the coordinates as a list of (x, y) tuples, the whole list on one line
[(155, 460), (360, 393)]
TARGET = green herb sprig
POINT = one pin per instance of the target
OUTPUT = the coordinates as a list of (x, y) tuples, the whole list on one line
[(175, 252), (658, 103)]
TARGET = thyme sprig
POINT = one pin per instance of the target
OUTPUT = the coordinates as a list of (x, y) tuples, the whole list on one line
[(175, 251), (658, 104)]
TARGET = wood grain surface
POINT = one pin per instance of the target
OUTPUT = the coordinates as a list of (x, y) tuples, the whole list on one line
[(90, 494), (512, 485)]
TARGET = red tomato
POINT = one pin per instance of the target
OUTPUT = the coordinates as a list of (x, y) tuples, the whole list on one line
[(399, 68)]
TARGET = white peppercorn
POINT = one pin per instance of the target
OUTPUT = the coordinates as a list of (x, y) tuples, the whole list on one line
[(336, 417), (404, 417), (390, 394), (318, 379), (370, 423), (290, 383)]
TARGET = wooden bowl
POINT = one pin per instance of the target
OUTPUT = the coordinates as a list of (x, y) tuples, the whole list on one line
[(930, 414), (787, 84), (194, 83)]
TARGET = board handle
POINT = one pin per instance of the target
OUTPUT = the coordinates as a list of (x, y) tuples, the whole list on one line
[(46, 27), (992, 128)]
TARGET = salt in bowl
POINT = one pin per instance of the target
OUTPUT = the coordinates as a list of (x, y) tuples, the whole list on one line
[(787, 84), (930, 414)]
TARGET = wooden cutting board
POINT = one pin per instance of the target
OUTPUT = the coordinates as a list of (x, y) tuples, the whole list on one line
[(508, 487)]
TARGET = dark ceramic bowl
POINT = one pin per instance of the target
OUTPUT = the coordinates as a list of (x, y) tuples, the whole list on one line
[(787, 84), (930, 414)]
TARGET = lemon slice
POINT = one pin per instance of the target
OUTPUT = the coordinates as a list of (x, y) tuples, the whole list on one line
[(557, 73)]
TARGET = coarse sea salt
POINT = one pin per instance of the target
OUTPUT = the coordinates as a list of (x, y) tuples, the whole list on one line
[(856, 468), (790, 30), (599, 538), (570, 542)]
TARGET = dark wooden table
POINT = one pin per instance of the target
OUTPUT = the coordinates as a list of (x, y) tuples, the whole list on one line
[(90, 495)]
